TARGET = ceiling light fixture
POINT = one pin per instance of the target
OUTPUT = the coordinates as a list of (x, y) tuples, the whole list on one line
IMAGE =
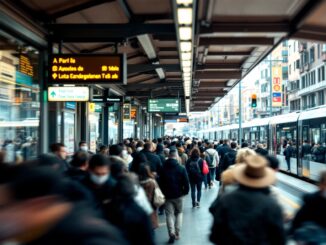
[(185, 33), (185, 16)]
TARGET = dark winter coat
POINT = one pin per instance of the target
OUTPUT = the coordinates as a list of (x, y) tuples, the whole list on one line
[(174, 180), (288, 152), (319, 154), (154, 160), (261, 151), (194, 179), (247, 216), (305, 150), (313, 210), (228, 160), (81, 227), (132, 220)]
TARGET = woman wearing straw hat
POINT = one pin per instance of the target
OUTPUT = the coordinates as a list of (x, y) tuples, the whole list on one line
[(249, 215)]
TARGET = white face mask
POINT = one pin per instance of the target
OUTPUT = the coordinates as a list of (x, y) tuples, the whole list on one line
[(139, 149), (124, 153), (99, 180), (84, 148)]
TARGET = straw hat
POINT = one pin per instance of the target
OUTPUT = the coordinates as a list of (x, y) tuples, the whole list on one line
[(254, 173)]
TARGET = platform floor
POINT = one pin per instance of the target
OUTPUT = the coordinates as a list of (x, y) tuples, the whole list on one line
[(196, 221)]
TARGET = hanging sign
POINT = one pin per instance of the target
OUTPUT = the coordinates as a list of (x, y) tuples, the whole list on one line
[(68, 93), (126, 111), (87, 69)]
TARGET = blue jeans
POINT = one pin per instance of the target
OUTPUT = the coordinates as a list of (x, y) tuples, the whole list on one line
[(193, 187), (205, 180), (212, 172)]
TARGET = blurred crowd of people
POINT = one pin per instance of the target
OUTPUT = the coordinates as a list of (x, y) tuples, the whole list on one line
[(115, 196)]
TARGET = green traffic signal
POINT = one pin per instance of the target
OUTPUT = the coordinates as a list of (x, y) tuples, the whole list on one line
[(253, 103)]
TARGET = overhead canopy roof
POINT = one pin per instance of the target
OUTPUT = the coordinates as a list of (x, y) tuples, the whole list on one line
[(231, 37)]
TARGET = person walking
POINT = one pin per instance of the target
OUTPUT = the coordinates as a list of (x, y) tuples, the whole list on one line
[(249, 215), (288, 154), (147, 181), (194, 168), (310, 221), (213, 163), (174, 184)]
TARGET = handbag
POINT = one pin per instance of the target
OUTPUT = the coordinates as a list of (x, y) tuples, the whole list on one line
[(158, 198), (205, 168)]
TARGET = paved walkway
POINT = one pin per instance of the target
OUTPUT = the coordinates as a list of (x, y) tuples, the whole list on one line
[(196, 222)]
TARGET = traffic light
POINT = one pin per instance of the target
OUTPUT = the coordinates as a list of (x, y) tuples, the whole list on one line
[(253, 100)]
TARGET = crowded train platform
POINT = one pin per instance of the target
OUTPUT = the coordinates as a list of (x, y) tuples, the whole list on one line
[(162, 122)]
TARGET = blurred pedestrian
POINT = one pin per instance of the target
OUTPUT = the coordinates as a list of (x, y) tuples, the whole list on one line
[(194, 167), (249, 215), (312, 214), (175, 185)]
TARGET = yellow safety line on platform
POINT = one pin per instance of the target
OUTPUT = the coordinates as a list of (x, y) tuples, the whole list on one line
[(290, 202)]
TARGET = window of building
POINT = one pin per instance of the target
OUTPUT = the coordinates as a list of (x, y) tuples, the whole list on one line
[(19, 100), (318, 50), (297, 64), (322, 73), (285, 72), (312, 55), (290, 67), (321, 97), (304, 102), (305, 57), (303, 81), (312, 77)]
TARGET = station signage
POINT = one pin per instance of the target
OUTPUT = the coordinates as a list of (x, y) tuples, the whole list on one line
[(87, 69), (68, 93), (164, 105), (277, 86), (126, 111), (133, 114), (103, 99)]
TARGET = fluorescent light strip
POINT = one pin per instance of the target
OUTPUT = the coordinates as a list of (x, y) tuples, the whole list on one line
[(184, 16), (185, 33), (185, 46), (184, 2)]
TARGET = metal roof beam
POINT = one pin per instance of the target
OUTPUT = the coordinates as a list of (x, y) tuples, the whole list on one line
[(229, 53), (218, 75), (131, 87), (141, 68), (265, 27), (254, 41), (218, 66), (105, 32), (78, 8)]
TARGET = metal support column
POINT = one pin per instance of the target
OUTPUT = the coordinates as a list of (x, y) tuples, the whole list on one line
[(105, 120), (83, 121), (44, 122), (120, 123), (240, 114), (270, 89)]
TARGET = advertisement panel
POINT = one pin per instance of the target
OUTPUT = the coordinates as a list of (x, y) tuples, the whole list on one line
[(277, 86)]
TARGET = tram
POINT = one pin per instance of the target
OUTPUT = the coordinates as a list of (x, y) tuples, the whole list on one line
[(300, 128)]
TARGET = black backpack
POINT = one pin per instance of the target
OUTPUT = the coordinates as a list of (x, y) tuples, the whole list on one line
[(194, 170)]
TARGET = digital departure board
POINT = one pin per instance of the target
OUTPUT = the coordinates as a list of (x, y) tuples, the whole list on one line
[(87, 69), (163, 105)]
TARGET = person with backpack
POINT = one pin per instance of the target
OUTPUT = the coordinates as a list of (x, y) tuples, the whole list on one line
[(194, 167), (212, 163), (229, 159)]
